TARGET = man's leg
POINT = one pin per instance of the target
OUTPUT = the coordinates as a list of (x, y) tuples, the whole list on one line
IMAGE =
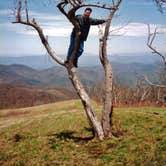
[(80, 51), (71, 46)]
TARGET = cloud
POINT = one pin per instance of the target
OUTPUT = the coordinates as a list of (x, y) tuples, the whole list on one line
[(58, 25), (142, 3), (5, 11), (46, 16), (136, 29), (130, 30), (61, 29), (58, 32)]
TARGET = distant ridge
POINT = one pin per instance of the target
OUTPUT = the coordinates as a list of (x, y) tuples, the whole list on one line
[(44, 61), (125, 74), (22, 86)]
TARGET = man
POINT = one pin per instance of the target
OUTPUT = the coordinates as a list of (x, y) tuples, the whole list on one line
[(85, 21)]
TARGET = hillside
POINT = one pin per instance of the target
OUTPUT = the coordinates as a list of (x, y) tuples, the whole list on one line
[(59, 134), (22, 86), (13, 96), (125, 74), (19, 75)]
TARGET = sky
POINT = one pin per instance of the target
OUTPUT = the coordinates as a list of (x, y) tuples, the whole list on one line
[(133, 16)]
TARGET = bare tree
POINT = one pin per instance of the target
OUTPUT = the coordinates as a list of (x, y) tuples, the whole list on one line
[(69, 8), (108, 104), (160, 4), (150, 41)]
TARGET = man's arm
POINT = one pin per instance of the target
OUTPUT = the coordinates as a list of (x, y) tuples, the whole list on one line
[(96, 21)]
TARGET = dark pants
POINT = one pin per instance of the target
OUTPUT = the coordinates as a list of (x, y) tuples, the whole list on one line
[(80, 50)]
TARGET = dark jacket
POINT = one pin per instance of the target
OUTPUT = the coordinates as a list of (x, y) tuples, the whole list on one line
[(85, 25)]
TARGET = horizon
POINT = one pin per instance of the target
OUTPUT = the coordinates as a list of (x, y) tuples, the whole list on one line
[(43, 62)]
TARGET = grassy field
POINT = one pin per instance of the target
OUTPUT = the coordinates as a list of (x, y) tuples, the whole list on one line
[(59, 134)]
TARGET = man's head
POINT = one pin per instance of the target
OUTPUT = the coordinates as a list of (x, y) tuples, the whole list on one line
[(87, 12)]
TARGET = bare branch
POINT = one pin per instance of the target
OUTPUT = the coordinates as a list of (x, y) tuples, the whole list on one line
[(150, 39), (18, 17), (113, 2), (99, 6), (152, 84), (111, 32), (43, 38), (26, 10), (61, 6), (160, 4), (34, 24), (107, 28), (100, 33), (152, 35)]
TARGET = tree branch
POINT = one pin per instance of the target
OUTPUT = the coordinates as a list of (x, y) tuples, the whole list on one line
[(61, 6), (99, 6), (43, 38), (26, 10), (150, 39), (160, 4), (111, 32), (18, 17), (152, 84), (34, 24)]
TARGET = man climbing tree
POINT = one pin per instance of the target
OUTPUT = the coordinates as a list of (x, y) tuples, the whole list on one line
[(85, 21), (68, 8), (101, 129)]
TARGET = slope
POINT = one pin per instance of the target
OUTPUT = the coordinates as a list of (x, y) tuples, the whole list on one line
[(13, 96), (59, 134)]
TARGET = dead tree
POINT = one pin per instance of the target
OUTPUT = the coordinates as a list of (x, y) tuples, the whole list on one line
[(160, 4), (99, 130), (150, 40), (108, 89)]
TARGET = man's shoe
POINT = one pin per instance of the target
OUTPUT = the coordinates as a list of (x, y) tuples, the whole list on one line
[(75, 63), (66, 61)]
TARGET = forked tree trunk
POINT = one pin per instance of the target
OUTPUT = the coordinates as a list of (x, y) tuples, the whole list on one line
[(100, 130), (85, 99)]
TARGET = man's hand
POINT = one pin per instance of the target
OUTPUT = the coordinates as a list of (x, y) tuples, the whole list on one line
[(108, 19)]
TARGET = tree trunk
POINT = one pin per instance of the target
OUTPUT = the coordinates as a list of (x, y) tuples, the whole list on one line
[(108, 103), (88, 106), (108, 106)]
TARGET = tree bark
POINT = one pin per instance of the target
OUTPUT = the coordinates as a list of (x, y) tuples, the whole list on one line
[(108, 106), (100, 129), (108, 92), (87, 103)]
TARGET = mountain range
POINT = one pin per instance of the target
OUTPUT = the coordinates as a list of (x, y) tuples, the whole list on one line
[(44, 61), (53, 77), (22, 85)]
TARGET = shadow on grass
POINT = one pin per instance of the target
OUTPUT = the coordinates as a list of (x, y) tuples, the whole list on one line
[(70, 135)]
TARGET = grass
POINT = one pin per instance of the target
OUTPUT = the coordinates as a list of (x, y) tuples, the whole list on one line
[(59, 134)]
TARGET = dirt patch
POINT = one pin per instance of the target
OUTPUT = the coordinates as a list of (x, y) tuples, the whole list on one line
[(14, 113)]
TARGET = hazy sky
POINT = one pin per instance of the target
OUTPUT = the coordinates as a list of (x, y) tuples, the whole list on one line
[(20, 40)]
